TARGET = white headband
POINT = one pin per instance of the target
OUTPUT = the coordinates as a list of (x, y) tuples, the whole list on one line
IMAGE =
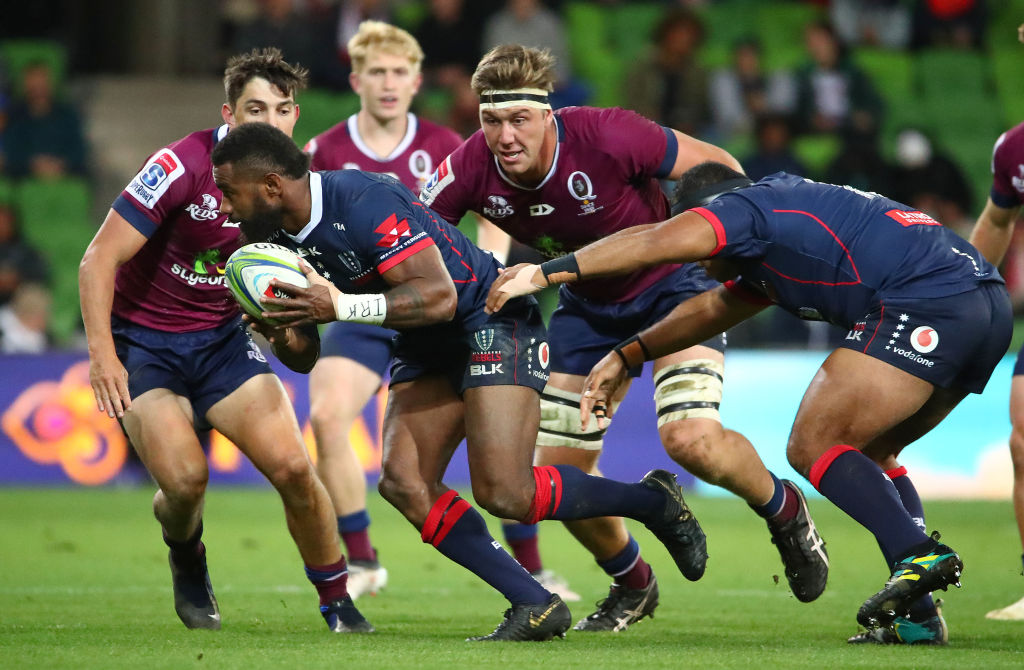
[(517, 97)]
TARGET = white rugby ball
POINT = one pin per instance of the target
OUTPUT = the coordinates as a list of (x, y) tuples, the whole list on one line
[(250, 269)]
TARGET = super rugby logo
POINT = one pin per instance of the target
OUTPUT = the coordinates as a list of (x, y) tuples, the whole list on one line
[(155, 178), (924, 339), (443, 175), (1018, 182), (392, 231), (499, 208)]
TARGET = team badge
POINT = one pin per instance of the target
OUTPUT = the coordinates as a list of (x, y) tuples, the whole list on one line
[(483, 339), (499, 207), (582, 189), (208, 211)]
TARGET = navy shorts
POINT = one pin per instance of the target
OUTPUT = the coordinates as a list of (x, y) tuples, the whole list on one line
[(509, 349), (583, 331), (370, 346), (951, 342), (204, 366)]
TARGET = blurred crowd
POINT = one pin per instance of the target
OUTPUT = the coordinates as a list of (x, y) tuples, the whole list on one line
[(765, 114)]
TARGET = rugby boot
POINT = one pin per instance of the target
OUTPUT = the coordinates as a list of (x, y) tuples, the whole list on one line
[(914, 576), (802, 550), (366, 577), (677, 527), (1014, 612), (931, 631), (193, 595), (622, 608), (531, 623), (343, 617)]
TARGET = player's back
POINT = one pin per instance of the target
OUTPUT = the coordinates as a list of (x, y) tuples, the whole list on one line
[(175, 282), (412, 161)]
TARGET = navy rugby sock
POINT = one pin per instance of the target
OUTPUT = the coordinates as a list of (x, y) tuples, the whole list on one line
[(330, 581), (459, 532), (566, 493), (627, 567), (190, 552), (856, 484), (783, 505), (522, 540), (925, 607)]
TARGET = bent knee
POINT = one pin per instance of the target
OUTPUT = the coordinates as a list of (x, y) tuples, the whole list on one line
[(291, 474), (692, 444), (506, 502)]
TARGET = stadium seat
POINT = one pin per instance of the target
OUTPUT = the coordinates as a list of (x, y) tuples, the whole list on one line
[(781, 28), (410, 14), (949, 73), (6, 190), (1009, 78), (56, 217), (634, 24), (16, 54), (593, 59), (816, 151), (319, 109), (724, 24)]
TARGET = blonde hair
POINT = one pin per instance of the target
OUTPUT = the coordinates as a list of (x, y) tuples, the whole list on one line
[(386, 37), (513, 66)]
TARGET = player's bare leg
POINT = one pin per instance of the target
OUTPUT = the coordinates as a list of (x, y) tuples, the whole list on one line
[(1015, 612), (854, 403), (160, 428), (259, 419), (339, 388)]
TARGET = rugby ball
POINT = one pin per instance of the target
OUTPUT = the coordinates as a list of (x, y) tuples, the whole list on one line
[(250, 269)]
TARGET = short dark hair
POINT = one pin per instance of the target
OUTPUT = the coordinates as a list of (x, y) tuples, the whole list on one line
[(703, 183), (262, 148), (266, 63)]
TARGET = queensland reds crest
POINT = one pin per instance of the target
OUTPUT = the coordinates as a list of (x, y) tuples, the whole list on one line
[(582, 189), (924, 339)]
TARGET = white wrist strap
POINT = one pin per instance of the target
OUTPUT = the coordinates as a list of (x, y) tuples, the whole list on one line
[(368, 308)]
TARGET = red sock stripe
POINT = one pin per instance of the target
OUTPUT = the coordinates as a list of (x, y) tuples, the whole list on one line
[(823, 463), (455, 512), (548, 494), (896, 472), (435, 515)]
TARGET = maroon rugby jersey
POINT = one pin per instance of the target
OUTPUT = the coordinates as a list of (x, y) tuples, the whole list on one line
[(604, 178), (175, 282), (1008, 169), (412, 162)]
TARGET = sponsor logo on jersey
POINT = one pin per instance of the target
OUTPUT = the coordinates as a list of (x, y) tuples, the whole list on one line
[(392, 231), (483, 339), (155, 178), (194, 278), (858, 331), (1018, 182), (924, 339), (207, 211), (442, 176), (499, 207), (911, 218), (544, 355), (543, 209), (582, 189), (208, 263)]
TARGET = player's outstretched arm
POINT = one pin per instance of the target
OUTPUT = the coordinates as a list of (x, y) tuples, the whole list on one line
[(114, 244), (993, 230)]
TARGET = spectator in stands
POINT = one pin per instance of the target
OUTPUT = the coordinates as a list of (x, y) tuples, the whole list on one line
[(860, 164), (25, 321), (669, 85), (44, 135), (875, 23), (958, 24), (774, 152), (833, 94), (450, 37), (531, 24), (20, 263), (742, 92), (928, 179)]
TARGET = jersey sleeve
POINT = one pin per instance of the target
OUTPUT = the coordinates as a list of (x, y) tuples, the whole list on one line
[(387, 229), (1004, 169), (644, 148), (164, 184), (448, 190), (736, 227), (315, 157)]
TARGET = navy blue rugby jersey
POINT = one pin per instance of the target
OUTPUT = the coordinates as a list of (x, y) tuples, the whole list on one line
[(832, 253), (362, 224)]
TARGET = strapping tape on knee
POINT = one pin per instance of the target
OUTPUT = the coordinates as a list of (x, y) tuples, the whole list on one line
[(560, 422), (689, 390)]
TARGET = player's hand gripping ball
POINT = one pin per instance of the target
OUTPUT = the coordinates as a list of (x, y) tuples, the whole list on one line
[(250, 269)]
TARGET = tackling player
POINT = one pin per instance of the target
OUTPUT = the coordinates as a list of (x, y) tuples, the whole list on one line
[(556, 181), (928, 319), (458, 372), (991, 236), (168, 350)]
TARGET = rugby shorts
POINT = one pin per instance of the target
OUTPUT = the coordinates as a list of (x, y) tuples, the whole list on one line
[(370, 346)]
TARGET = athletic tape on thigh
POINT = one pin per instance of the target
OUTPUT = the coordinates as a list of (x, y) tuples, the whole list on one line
[(560, 422), (689, 390)]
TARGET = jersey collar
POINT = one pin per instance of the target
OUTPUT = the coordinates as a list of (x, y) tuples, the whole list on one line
[(316, 207), (410, 132), (219, 133), (559, 136)]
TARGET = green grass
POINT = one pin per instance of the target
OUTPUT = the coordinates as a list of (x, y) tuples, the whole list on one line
[(84, 584)]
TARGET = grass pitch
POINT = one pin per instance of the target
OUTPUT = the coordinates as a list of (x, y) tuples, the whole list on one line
[(84, 584)]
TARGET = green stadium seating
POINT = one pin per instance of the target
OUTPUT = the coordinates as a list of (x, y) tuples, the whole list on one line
[(593, 59), (409, 15), (16, 54), (781, 28), (724, 24), (6, 190), (1008, 73), (56, 220), (320, 109), (633, 24), (949, 73), (816, 151)]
